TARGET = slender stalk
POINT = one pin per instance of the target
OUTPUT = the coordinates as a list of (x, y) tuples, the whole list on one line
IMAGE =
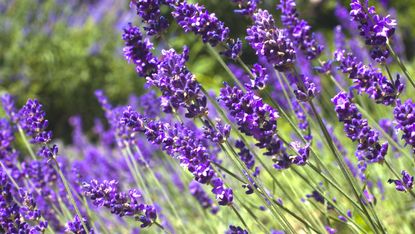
[(401, 64), (240, 217), (69, 192), (163, 191), (26, 143), (345, 170), (220, 60)]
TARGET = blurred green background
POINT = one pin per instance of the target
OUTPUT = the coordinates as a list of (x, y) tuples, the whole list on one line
[(62, 51)]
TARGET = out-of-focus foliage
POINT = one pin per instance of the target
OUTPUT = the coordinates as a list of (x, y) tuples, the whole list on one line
[(61, 51)]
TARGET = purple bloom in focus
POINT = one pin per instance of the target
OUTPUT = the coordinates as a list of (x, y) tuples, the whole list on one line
[(357, 129), (178, 85), (182, 143), (405, 184), (138, 50), (299, 30), (32, 119), (269, 41), (256, 119), (368, 79), (196, 19), (107, 194), (405, 121), (261, 77), (375, 29), (306, 89)]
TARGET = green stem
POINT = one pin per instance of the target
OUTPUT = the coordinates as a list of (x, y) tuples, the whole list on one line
[(240, 218), (71, 198), (26, 143), (401, 64)]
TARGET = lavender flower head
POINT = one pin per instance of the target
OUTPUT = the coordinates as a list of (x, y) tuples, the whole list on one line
[(218, 133), (196, 19), (107, 194), (368, 79), (405, 121), (261, 77), (269, 41), (138, 50), (299, 30), (32, 119), (405, 184), (178, 85), (374, 28), (357, 129), (256, 119)]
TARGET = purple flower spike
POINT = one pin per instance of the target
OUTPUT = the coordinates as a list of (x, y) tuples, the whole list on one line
[(32, 119), (178, 85), (261, 77), (107, 194), (375, 29), (269, 41), (357, 129), (138, 51), (368, 79), (405, 121), (218, 133), (405, 184), (256, 119), (234, 48), (196, 19), (299, 30)]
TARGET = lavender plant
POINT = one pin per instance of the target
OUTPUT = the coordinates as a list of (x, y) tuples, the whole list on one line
[(299, 140)]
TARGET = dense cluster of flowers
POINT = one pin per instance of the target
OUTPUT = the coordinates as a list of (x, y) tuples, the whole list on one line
[(357, 129), (368, 79), (299, 30), (405, 121), (374, 28), (269, 41), (107, 194), (182, 143), (195, 18), (138, 50), (178, 85), (16, 218), (258, 120)]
